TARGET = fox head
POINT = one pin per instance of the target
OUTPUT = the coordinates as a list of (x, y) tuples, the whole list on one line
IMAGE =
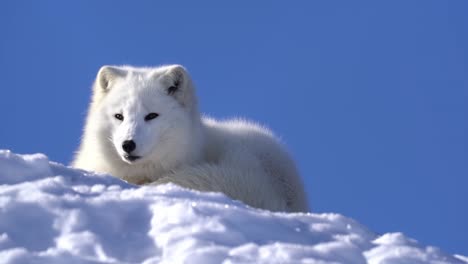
[(145, 113)]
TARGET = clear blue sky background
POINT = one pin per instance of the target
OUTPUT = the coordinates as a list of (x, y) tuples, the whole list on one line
[(370, 96)]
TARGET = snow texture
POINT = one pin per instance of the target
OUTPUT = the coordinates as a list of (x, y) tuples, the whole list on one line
[(53, 214)]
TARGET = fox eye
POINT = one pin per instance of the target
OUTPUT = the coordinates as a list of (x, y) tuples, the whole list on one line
[(150, 116), (119, 117)]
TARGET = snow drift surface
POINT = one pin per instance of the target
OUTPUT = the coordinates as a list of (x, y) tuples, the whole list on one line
[(53, 214)]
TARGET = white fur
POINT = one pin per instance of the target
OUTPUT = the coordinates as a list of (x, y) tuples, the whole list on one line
[(241, 159)]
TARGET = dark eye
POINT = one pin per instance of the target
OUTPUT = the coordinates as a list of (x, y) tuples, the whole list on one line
[(150, 116), (119, 117)]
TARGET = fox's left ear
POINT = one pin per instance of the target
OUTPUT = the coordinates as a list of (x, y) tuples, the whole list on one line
[(179, 85), (177, 77)]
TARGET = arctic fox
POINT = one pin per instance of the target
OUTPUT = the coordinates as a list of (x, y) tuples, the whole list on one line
[(143, 126)]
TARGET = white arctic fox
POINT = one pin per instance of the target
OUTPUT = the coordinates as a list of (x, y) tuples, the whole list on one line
[(144, 126)]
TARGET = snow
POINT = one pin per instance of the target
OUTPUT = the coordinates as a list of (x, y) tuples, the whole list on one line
[(50, 213)]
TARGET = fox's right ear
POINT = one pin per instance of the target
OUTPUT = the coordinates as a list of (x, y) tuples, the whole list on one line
[(107, 75)]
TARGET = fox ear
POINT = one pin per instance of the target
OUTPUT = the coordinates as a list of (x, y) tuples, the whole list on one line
[(178, 84), (108, 74), (178, 77)]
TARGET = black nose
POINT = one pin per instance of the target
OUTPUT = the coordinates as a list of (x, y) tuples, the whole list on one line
[(128, 146)]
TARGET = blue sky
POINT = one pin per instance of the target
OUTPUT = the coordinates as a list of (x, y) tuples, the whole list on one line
[(369, 96)]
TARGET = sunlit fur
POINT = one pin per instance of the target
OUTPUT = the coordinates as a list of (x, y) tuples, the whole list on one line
[(239, 158)]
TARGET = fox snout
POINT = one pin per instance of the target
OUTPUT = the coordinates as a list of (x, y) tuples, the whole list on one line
[(128, 146)]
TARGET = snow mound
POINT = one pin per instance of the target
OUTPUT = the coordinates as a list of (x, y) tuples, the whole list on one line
[(53, 214)]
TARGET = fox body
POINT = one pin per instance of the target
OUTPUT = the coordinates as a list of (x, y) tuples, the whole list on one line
[(143, 126)]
